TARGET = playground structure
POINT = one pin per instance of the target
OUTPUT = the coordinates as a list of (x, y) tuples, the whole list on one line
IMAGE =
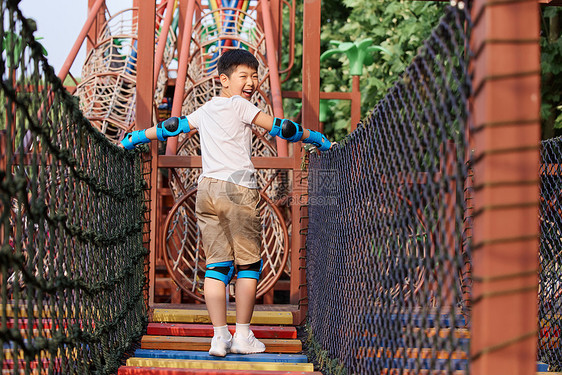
[(468, 293)]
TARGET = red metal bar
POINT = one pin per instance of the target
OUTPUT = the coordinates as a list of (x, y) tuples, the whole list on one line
[(92, 15), (505, 38), (159, 56), (276, 98), (260, 162), (172, 143), (289, 67)]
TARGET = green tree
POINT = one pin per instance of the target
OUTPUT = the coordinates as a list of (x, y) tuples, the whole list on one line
[(400, 27)]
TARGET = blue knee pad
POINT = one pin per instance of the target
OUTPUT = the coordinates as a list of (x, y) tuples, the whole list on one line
[(222, 271), (134, 138), (172, 127), (286, 129), (252, 272)]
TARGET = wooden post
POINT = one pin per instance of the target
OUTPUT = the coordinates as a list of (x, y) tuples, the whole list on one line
[(143, 120), (310, 113), (505, 142), (355, 102)]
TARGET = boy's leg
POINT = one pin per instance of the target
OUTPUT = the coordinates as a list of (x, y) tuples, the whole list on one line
[(242, 224), (244, 341), (215, 298), (245, 299), (219, 272)]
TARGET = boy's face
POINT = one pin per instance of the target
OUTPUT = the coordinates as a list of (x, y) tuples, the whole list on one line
[(243, 81)]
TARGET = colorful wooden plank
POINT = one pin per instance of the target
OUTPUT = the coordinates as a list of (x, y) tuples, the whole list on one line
[(201, 316), (206, 330), (202, 356), (423, 353), (542, 367), (398, 371), (43, 364), (135, 370), (220, 365), (460, 333), (420, 320), (391, 364), (204, 344)]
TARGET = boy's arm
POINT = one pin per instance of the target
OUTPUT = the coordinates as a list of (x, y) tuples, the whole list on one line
[(168, 128), (291, 131)]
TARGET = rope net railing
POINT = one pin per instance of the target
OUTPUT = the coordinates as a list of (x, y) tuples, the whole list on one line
[(73, 224), (388, 252), (550, 255)]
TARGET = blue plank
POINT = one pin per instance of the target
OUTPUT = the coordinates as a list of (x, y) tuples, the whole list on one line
[(204, 356), (426, 364), (542, 367)]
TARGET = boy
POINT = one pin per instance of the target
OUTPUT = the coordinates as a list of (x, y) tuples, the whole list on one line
[(227, 193)]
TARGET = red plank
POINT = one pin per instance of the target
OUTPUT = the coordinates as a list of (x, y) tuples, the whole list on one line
[(204, 344), (133, 370), (9, 364), (206, 330)]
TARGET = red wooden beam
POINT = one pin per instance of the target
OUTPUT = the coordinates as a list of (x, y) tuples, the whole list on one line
[(206, 330), (132, 370), (505, 233), (143, 120)]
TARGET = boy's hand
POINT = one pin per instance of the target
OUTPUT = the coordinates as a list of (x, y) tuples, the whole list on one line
[(130, 140), (319, 140)]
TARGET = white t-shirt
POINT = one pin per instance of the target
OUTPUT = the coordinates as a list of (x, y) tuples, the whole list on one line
[(225, 131)]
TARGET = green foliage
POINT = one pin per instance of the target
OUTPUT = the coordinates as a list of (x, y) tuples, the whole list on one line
[(398, 27), (551, 67)]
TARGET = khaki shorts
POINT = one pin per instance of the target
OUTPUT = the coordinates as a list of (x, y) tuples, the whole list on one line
[(229, 220)]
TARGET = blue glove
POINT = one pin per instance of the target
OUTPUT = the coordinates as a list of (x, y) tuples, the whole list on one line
[(134, 138), (319, 140)]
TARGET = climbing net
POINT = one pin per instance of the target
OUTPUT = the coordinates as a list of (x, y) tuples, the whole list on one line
[(388, 252), (550, 255), (73, 224), (107, 91), (218, 30)]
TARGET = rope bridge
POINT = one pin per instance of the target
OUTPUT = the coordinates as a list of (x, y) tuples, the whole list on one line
[(73, 222), (388, 224), (388, 245)]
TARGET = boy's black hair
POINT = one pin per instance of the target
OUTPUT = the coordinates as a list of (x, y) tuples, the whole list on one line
[(232, 58)]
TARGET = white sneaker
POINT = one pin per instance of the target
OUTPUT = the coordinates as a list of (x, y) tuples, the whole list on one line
[(220, 346), (246, 345)]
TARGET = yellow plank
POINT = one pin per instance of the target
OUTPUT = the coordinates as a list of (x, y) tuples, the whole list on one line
[(204, 343), (44, 313), (220, 365), (201, 316)]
